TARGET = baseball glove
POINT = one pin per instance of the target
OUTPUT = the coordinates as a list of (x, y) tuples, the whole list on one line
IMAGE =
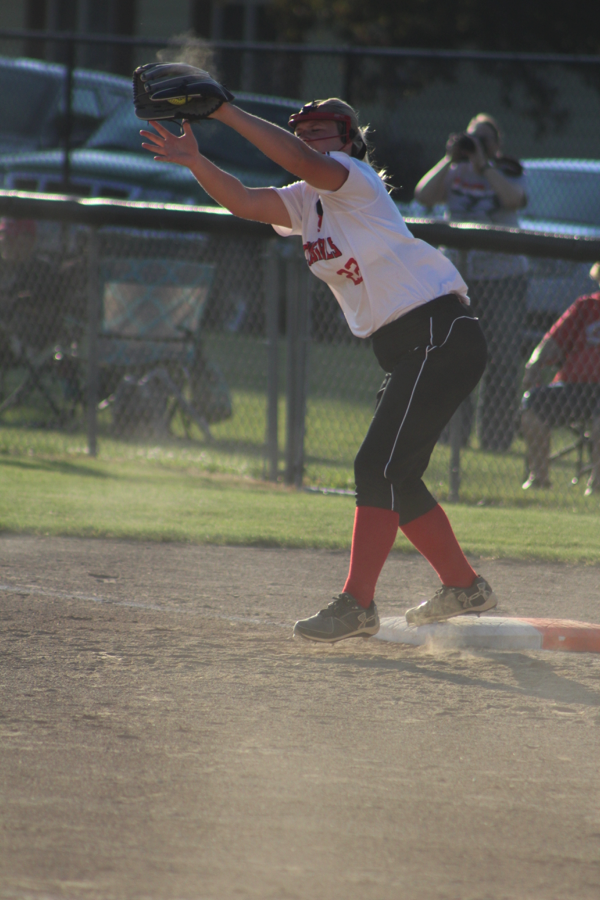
[(176, 91)]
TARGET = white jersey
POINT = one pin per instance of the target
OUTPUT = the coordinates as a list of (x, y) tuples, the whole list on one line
[(362, 249)]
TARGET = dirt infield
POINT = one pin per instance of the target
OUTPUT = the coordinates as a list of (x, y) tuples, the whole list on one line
[(162, 736)]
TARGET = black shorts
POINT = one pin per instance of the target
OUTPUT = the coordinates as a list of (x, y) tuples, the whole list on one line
[(434, 357), (558, 404)]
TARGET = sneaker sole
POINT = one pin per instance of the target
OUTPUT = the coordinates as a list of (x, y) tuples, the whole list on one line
[(490, 603), (334, 640)]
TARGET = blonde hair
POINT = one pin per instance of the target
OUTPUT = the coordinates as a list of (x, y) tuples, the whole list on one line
[(486, 119), (595, 272)]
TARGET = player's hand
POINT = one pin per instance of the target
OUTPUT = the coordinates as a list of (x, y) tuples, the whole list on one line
[(169, 147)]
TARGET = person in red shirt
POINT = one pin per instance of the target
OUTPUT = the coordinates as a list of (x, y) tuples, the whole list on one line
[(572, 344)]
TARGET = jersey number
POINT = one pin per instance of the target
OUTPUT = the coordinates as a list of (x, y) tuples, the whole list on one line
[(351, 271)]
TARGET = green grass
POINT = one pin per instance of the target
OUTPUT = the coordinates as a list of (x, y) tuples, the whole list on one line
[(334, 431), (154, 497), (343, 382)]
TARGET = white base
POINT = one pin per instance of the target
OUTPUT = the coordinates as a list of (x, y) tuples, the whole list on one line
[(482, 632)]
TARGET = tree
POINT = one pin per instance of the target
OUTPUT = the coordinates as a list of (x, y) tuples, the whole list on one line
[(542, 26)]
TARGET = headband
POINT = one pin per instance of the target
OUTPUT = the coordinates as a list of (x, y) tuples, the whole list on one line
[(310, 113)]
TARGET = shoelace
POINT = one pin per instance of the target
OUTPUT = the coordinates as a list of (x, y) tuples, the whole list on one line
[(338, 603)]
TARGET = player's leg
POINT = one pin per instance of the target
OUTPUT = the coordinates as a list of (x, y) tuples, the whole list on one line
[(453, 365), (353, 613), (411, 413)]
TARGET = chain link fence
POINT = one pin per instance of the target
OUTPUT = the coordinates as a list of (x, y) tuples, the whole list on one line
[(130, 330), (487, 452), (128, 341)]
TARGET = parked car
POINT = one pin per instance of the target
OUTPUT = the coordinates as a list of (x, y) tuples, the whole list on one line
[(112, 162), (563, 198), (33, 103)]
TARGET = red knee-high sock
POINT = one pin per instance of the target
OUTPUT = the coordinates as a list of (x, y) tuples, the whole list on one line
[(432, 535), (373, 537)]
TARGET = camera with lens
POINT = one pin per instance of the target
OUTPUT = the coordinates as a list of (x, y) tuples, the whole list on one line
[(460, 145)]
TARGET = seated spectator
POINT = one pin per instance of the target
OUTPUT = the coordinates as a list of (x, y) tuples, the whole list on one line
[(572, 344)]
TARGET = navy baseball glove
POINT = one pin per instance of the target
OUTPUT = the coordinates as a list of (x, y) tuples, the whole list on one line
[(176, 91)]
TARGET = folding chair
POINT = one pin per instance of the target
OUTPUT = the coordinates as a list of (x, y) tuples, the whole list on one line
[(581, 445), (40, 333), (36, 366), (150, 337)]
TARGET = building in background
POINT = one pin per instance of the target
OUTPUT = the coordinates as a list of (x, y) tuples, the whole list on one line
[(243, 20)]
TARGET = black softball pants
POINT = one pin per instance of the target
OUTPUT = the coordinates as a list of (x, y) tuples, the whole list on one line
[(434, 357)]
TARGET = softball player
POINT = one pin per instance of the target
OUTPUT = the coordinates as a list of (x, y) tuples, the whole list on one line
[(403, 294)]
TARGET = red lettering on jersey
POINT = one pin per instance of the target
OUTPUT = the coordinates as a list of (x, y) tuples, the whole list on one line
[(309, 252), (351, 270), (321, 249), (334, 250)]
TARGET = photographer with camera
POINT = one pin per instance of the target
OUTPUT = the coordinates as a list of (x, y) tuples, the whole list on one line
[(479, 184)]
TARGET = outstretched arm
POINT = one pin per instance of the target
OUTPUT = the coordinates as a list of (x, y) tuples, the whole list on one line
[(259, 204), (285, 149)]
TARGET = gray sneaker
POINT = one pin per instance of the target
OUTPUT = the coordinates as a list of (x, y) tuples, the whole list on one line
[(454, 601), (344, 618)]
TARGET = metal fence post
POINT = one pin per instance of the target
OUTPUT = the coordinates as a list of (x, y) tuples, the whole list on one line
[(291, 307), (272, 291), (68, 120), (305, 282), (94, 316), (297, 327)]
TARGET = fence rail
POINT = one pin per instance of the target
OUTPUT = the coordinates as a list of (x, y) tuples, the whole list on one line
[(179, 217)]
